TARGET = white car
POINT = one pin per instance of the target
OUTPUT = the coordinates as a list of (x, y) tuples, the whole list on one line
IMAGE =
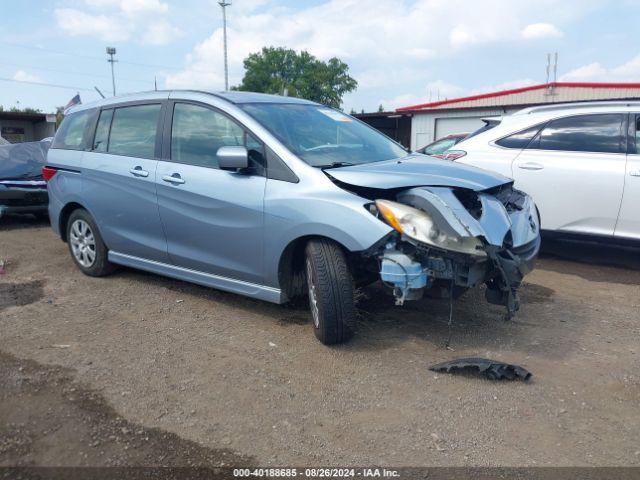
[(580, 162)]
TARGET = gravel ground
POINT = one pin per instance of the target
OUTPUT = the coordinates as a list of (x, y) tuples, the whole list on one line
[(230, 379)]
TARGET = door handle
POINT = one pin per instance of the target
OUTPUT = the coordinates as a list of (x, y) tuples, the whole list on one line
[(635, 173), (175, 178), (530, 166), (138, 171)]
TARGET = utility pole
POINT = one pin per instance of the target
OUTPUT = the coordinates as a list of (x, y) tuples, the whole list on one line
[(224, 4), (111, 51)]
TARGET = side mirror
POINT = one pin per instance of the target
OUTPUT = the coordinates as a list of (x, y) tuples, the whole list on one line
[(232, 158)]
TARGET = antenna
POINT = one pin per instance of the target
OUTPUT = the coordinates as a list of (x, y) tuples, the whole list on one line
[(98, 90), (548, 67)]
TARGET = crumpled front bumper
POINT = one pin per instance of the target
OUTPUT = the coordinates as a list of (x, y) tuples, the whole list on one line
[(511, 265)]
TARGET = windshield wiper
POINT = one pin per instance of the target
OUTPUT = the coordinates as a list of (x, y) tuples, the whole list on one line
[(335, 165)]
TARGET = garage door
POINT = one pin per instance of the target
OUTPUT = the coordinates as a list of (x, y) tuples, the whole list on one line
[(448, 126)]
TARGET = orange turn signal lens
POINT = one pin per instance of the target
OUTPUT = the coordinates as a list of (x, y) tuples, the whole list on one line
[(388, 215)]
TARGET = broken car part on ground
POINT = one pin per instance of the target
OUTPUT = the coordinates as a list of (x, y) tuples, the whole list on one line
[(492, 369)]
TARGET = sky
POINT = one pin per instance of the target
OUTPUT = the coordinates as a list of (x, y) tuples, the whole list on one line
[(401, 52)]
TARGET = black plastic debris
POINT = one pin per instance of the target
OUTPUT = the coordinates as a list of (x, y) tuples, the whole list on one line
[(492, 369)]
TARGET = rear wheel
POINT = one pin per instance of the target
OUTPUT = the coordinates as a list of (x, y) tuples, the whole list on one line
[(330, 288), (86, 246)]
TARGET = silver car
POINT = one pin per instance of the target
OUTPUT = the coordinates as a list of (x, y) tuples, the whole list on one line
[(276, 197)]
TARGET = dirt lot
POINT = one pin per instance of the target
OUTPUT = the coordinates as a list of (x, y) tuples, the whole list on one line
[(139, 369)]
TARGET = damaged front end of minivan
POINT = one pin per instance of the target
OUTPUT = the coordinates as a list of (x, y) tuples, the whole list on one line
[(455, 239), (449, 238)]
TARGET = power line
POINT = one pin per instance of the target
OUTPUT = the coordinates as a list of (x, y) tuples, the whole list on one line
[(43, 84), (139, 64), (71, 72)]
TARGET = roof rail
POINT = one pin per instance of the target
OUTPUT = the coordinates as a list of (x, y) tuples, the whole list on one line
[(565, 106)]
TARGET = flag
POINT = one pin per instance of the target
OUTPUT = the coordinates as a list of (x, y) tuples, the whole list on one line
[(74, 101)]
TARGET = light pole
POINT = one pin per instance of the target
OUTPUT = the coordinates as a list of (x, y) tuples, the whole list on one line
[(224, 4), (111, 51)]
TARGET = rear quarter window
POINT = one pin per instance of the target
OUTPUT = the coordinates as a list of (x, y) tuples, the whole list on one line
[(520, 139), (72, 133)]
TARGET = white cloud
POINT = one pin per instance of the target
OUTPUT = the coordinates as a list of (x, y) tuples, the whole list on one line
[(441, 90), (591, 71), (536, 31), (510, 85), (629, 71), (131, 6), (461, 36), (161, 33), (76, 22), (388, 36), (23, 76), (596, 72), (119, 21)]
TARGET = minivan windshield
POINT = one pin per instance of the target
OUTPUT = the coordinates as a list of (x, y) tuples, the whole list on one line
[(322, 136)]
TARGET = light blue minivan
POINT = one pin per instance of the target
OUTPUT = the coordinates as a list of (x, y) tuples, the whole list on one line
[(277, 197)]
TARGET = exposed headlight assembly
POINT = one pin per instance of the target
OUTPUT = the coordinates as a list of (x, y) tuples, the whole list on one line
[(419, 226)]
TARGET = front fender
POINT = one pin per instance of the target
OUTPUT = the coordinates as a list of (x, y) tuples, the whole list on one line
[(336, 214)]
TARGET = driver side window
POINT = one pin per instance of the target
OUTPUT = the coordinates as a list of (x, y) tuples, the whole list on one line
[(198, 132)]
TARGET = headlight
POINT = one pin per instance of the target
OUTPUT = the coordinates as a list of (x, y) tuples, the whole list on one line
[(420, 226)]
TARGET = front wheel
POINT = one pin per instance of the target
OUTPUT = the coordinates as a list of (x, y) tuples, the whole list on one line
[(330, 287)]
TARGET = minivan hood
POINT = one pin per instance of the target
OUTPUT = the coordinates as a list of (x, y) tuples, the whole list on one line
[(417, 170)]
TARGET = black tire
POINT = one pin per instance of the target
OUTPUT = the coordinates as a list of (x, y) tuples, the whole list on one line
[(330, 288), (100, 265)]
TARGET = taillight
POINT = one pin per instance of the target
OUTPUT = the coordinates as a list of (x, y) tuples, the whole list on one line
[(48, 173), (454, 154)]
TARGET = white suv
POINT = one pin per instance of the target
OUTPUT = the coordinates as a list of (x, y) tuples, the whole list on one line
[(580, 162)]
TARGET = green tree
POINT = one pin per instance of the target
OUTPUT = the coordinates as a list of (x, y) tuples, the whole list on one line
[(380, 108), (15, 109), (284, 71)]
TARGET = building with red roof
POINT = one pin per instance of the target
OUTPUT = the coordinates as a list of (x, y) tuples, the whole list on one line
[(433, 120)]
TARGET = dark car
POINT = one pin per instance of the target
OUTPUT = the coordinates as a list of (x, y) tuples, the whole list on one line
[(22, 188), (437, 148)]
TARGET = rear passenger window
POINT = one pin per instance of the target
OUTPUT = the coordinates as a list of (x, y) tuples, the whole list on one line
[(71, 133), (133, 131), (519, 140), (198, 132), (584, 133)]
